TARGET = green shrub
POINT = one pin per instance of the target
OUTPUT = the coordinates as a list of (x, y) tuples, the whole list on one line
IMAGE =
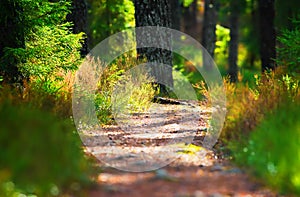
[(258, 128), (289, 50), (113, 77), (247, 106), (50, 53), (59, 104), (133, 94), (272, 151), (40, 154), (51, 49)]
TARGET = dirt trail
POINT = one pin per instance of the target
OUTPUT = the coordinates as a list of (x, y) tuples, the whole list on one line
[(162, 154)]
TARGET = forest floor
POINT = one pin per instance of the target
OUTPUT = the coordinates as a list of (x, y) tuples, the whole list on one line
[(147, 155)]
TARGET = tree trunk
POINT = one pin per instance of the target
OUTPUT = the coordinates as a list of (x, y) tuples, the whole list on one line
[(155, 13), (190, 20), (78, 17), (268, 34), (234, 41), (253, 52), (12, 36), (175, 14), (209, 30)]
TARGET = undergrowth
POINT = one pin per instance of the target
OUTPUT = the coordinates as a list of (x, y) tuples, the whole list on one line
[(118, 81), (31, 94), (261, 130), (271, 152), (247, 107), (40, 153)]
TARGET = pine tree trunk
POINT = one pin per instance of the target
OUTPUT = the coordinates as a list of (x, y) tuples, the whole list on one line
[(209, 30), (190, 20), (78, 17), (268, 34), (155, 13), (254, 29), (233, 44), (175, 14)]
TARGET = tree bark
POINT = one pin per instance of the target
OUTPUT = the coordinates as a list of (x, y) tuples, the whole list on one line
[(268, 34), (234, 41), (253, 53), (155, 13), (209, 30), (78, 17), (190, 20), (175, 14)]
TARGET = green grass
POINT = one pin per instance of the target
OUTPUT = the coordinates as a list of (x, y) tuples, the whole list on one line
[(40, 154), (272, 151)]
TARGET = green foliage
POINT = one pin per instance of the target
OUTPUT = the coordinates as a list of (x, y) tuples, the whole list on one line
[(188, 70), (262, 129), (248, 48), (133, 94), (223, 38), (272, 151), (247, 107), (50, 53), (248, 76), (40, 154), (51, 49), (37, 97), (249, 36), (39, 13), (1, 79), (221, 50), (142, 94), (186, 3), (183, 69), (113, 78), (107, 17), (108, 79), (289, 51)]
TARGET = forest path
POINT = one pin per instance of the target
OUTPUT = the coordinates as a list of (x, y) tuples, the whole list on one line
[(158, 140)]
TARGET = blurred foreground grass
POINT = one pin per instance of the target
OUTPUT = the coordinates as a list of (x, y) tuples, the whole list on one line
[(273, 149), (40, 154)]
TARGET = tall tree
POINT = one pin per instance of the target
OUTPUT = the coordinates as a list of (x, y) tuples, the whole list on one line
[(234, 40), (189, 21), (175, 16), (236, 8), (251, 38), (268, 34), (78, 17), (209, 30), (12, 36), (155, 13)]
